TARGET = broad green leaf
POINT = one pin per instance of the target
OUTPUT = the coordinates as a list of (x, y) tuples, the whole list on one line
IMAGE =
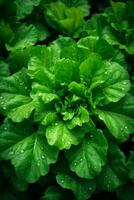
[(58, 45), (131, 165), (44, 113), (60, 136), (119, 125), (87, 159), (66, 71), (14, 95), (125, 192), (125, 106), (39, 67), (81, 188), (4, 69), (91, 67), (103, 77), (24, 8), (115, 173), (6, 33), (29, 153), (98, 45), (75, 52), (25, 36), (82, 4), (19, 58), (53, 193), (63, 18)]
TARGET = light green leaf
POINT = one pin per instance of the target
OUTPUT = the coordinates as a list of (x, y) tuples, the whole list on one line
[(66, 71), (87, 159), (81, 118), (119, 125), (25, 36), (14, 95), (29, 153), (98, 45), (63, 18), (60, 136), (103, 77), (39, 67), (4, 69), (24, 8), (77, 88), (81, 188), (82, 4), (115, 173)]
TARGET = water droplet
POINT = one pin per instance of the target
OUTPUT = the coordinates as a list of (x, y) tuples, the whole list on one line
[(91, 136), (25, 87), (11, 152), (123, 89), (90, 188), (81, 159), (62, 84), (39, 95), (125, 127), (75, 163), (2, 102), (56, 124), (1, 97), (124, 83), (43, 157), (105, 72), (4, 108), (62, 181), (22, 151), (5, 128), (38, 163)]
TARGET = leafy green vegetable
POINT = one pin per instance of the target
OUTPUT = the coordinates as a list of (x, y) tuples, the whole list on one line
[(66, 99)]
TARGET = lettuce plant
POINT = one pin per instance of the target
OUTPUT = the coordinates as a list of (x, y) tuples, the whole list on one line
[(66, 100)]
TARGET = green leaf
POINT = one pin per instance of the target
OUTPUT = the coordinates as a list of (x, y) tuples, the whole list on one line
[(25, 36), (66, 71), (82, 4), (63, 18), (81, 118), (130, 165), (39, 67), (14, 95), (4, 69), (77, 88), (87, 159), (119, 125), (53, 193), (60, 136), (29, 153), (6, 33), (81, 188), (75, 52), (125, 106), (24, 8), (98, 45), (115, 173), (103, 77)]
